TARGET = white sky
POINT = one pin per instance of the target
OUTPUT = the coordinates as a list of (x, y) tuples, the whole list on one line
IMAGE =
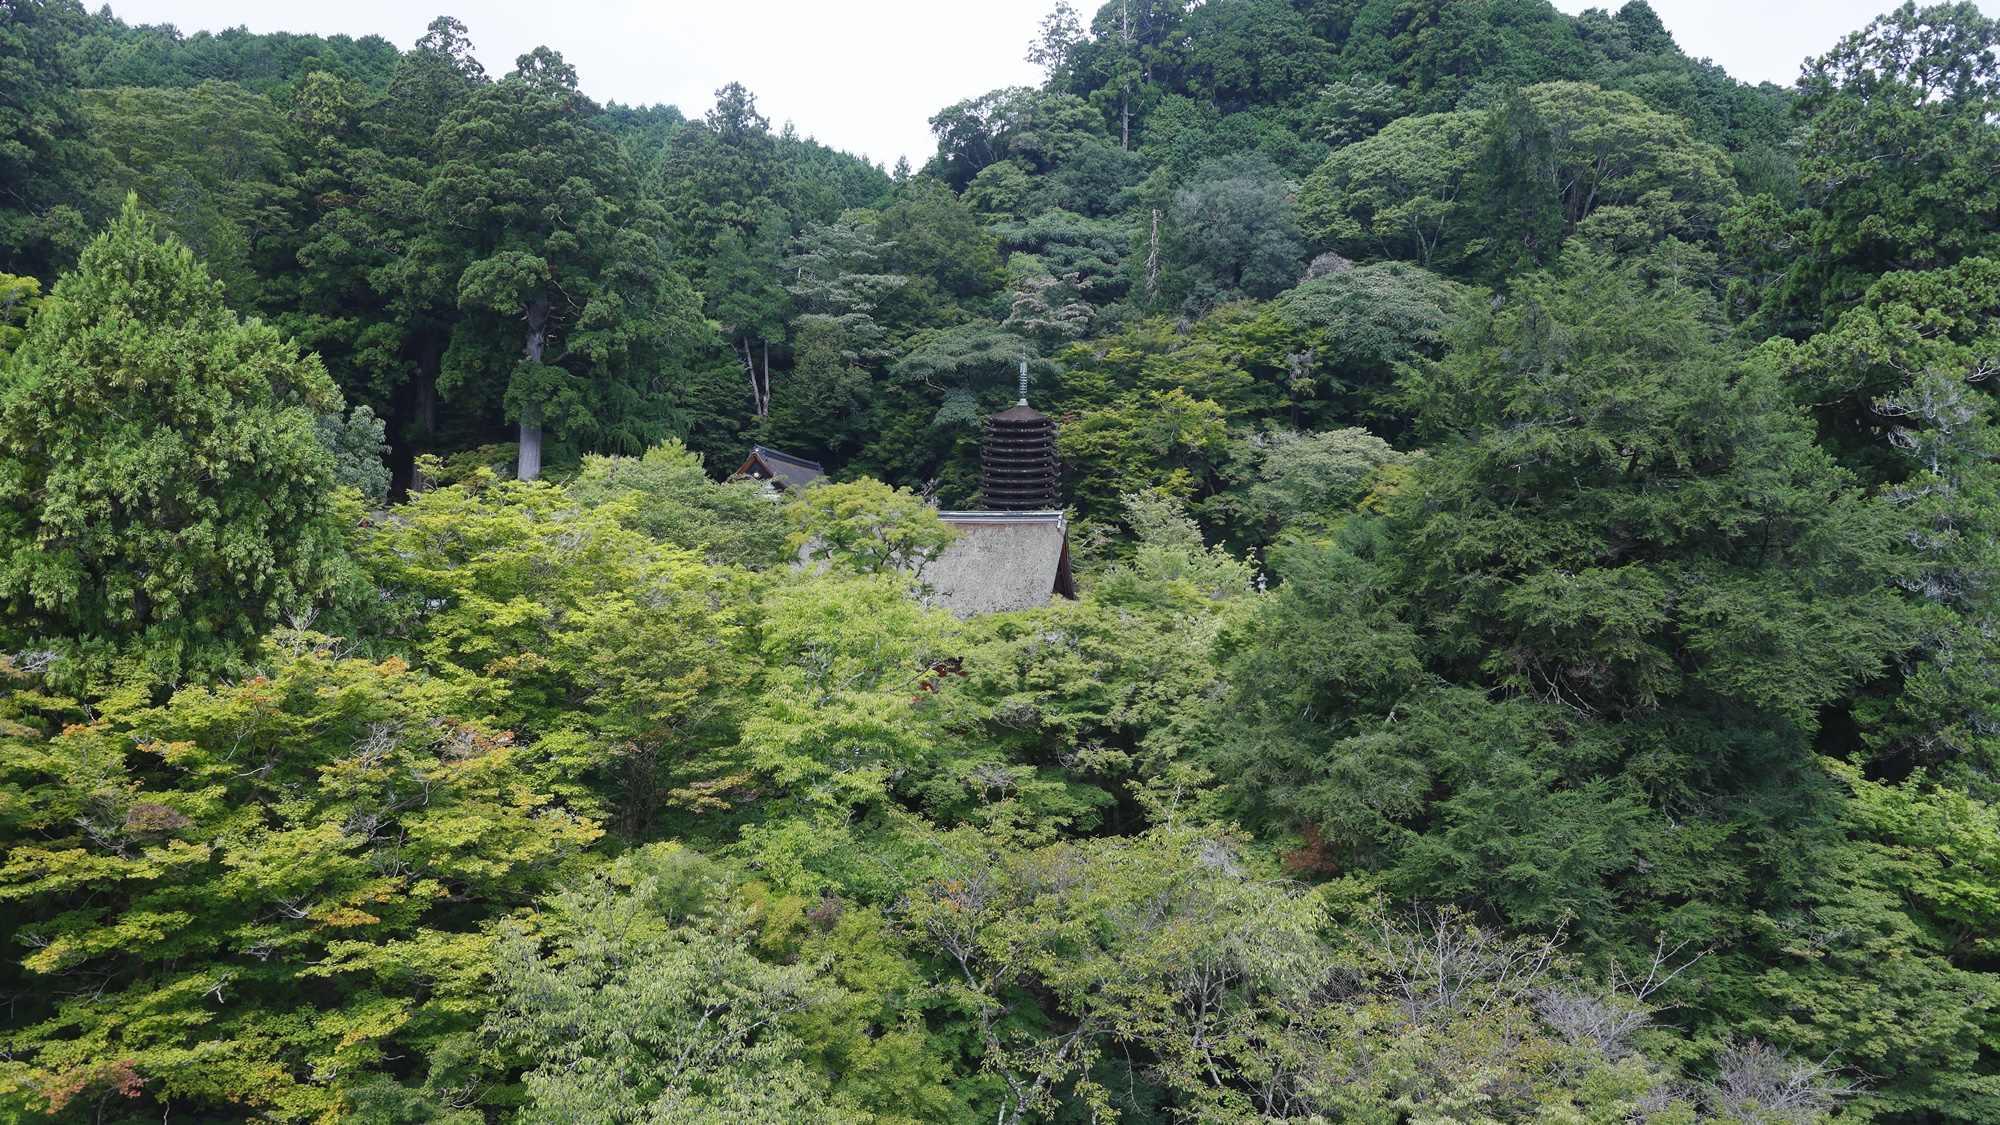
[(865, 75)]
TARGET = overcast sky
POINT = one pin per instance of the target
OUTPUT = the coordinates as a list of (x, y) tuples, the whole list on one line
[(864, 75)]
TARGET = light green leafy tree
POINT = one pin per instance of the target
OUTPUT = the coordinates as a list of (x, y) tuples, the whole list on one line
[(1302, 481), (652, 1008), (1564, 158), (1254, 1004), (1158, 441), (1169, 549), (843, 708), (609, 650), (19, 298), (675, 502), (867, 526), (274, 885)]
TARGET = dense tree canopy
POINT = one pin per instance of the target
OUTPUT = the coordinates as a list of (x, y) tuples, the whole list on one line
[(1531, 500)]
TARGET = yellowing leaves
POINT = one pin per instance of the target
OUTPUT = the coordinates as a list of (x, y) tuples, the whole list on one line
[(343, 917)]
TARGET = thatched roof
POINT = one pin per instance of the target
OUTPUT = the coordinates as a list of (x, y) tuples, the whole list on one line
[(781, 470), (1002, 561)]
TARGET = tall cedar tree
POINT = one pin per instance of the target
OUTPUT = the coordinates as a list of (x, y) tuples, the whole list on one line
[(380, 316), (565, 295)]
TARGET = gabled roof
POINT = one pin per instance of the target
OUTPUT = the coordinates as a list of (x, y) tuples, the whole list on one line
[(1002, 561), (782, 469)]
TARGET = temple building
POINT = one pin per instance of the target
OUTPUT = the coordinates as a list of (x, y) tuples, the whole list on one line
[(1002, 561), (1014, 553), (781, 471), (1017, 464)]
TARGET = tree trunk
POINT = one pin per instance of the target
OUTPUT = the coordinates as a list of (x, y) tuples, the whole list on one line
[(1153, 259), (528, 465), (1125, 88), (760, 391)]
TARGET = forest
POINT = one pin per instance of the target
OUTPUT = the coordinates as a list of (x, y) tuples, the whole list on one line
[(1535, 508)]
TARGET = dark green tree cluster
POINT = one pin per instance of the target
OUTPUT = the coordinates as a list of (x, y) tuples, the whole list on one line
[(1537, 526)]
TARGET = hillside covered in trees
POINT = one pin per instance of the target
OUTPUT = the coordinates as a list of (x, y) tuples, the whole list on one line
[(1536, 518)]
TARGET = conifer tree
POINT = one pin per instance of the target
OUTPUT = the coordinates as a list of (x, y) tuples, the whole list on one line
[(565, 294), (162, 492)]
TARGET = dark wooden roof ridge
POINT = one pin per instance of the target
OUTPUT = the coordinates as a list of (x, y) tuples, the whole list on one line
[(767, 451)]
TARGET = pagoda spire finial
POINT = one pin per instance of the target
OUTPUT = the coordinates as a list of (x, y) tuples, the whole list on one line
[(1024, 383)]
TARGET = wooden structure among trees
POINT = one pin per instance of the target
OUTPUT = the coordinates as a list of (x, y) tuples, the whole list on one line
[(1015, 554), (1018, 463), (781, 471), (1002, 561)]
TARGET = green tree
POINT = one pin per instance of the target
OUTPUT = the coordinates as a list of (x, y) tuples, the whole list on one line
[(276, 886), (206, 162), (999, 192), (1236, 232), (1288, 480), (1579, 668), (1494, 191), (836, 273), (51, 198), (1897, 386), (380, 315), (931, 237), (1263, 53), (868, 526), (358, 449), (651, 1007), (1769, 588), (166, 496), (1567, 157), (1398, 194), (824, 407), (722, 173), (1361, 322), (1898, 160), (733, 523), (568, 303), (19, 298), (608, 650), (745, 280), (1035, 129)]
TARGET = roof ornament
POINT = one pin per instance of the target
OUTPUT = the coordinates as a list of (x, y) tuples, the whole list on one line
[(1024, 384)]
